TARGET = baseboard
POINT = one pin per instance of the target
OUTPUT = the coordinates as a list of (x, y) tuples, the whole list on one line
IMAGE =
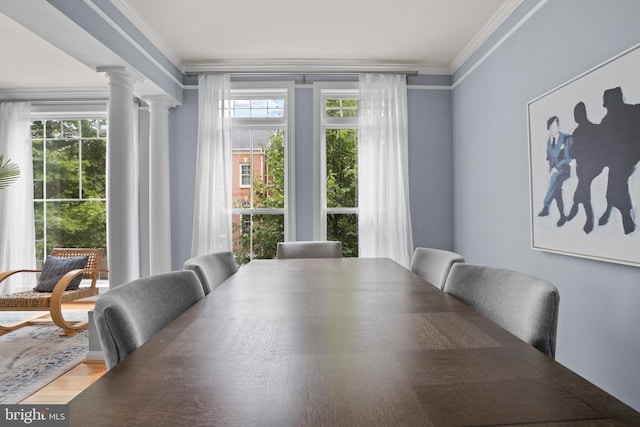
[(94, 356)]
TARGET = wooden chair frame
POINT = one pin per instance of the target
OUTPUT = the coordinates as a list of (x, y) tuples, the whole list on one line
[(52, 301)]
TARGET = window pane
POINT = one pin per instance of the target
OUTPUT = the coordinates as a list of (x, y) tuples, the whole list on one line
[(344, 228), (269, 185), (70, 129), (37, 129), (341, 107), (259, 112), (89, 128), (276, 112), (267, 230), (256, 236), (342, 168), (38, 213), (263, 152), (102, 128), (94, 168), (62, 169), (258, 103), (76, 225), (64, 164), (53, 128), (38, 169)]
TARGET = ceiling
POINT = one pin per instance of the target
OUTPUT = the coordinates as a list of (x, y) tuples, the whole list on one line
[(424, 34)]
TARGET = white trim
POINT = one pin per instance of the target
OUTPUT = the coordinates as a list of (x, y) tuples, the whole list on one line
[(485, 32), (134, 43), (305, 66), (429, 87), (95, 355), (284, 89), (68, 110), (153, 37), (55, 94), (322, 90), (500, 42)]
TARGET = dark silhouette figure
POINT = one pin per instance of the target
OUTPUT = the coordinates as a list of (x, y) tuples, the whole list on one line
[(620, 127), (590, 155), (559, 157)]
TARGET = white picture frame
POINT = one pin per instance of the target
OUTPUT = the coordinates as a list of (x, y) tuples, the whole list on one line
[(611, 140)]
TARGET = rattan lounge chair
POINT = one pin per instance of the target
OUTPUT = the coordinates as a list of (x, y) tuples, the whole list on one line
[(52, 301)]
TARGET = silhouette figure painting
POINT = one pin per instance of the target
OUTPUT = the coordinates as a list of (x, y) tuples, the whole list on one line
[(584, 164)]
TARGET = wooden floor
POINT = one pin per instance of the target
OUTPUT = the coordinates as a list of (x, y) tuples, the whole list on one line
[(66, 387)]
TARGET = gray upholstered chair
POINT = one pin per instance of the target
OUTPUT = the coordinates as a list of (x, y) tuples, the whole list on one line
[(433, 265), (212, 269), (523, 305), (311, 249), (128, 315)]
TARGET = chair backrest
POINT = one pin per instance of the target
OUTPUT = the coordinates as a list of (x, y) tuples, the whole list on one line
[(523, 305), (129, 314), (93, 262), (212, 269), (433, 265), (311, 249)]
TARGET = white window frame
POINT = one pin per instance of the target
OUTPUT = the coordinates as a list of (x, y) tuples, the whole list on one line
[(284, 90), (321, 123), (91, 110)]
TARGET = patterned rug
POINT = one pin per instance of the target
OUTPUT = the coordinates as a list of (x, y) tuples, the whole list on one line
[(33, 356)]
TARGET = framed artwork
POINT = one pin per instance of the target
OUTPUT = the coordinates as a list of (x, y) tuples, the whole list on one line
[(584, 146)]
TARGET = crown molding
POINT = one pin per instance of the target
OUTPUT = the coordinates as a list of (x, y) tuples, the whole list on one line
[(55, 94), (485, 32), (308, 66), (153, 37)]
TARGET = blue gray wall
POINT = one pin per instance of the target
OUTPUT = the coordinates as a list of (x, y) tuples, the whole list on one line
[(599, 316)]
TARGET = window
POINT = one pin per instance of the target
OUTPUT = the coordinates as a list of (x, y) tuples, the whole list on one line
[(260, 140), (337, 140), (245, 175), (69, 183)]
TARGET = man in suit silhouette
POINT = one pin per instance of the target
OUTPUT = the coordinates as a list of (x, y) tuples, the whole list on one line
[(621, 127), (558, 156), (591, 154)]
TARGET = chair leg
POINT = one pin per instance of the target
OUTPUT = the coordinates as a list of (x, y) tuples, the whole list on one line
[(17, 325), (67, 327)]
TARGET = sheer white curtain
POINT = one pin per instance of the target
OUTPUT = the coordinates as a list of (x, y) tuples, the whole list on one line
[(384, 228), (212, 210), (17, 230)]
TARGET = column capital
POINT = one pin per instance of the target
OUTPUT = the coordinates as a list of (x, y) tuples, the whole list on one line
[(161, 102), (121, 76)]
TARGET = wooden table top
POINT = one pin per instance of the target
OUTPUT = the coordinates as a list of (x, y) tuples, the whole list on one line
[(338, 342)]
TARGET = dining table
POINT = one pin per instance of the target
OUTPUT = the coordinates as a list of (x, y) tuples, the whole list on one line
[(339, 342)]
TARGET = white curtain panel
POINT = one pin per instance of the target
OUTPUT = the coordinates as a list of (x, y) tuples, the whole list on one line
[(384, 220), (17, 230), (212, 210)]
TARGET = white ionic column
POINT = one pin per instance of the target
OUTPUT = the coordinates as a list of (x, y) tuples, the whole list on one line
[(122, 180), (159, 185)]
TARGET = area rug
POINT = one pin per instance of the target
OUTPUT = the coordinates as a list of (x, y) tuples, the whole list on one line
[(35, 355)]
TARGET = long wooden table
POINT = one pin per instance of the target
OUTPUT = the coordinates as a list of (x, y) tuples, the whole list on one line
[(338, 342)]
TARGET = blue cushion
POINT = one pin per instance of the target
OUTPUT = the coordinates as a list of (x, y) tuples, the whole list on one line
[(56, 267)]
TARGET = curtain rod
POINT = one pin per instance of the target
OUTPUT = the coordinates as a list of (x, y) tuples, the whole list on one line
[(298, 74)]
